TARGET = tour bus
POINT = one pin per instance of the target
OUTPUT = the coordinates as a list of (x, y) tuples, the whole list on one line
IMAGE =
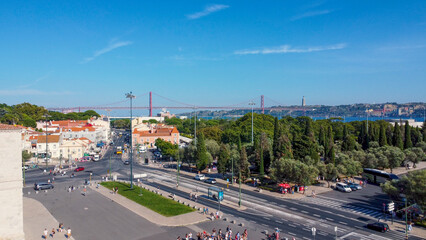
[(377, 176)]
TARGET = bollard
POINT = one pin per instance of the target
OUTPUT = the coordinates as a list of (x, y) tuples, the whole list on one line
[(265, 231), (225, 219), (242, 224)]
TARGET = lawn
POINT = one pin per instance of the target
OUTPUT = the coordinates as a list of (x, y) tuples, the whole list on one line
[(162, 205)]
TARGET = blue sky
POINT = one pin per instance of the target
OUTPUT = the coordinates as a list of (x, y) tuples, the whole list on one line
[(216, 53)]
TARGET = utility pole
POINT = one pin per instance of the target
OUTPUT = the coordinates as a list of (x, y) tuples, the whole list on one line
[(252, 104), (232, 180), (178, 168), (406, 224), (131, 96), (109, 167), (239, 195), (195, 126), (46, 116)]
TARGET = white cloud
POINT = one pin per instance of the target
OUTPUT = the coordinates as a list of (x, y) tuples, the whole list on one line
[(207, 10), (37, 80), (289, 49), (310, 14), (111, 46), (21, 92)]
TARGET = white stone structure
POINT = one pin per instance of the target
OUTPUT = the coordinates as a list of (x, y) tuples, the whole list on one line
[(11, 207)]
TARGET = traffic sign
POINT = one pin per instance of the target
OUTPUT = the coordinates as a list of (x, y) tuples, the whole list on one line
[(391, 206)]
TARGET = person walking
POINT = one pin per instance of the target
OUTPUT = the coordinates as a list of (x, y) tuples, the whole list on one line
[(52, 234), (45, 233), (69, 233)]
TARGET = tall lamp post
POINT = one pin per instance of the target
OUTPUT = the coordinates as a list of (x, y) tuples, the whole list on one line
[(46, 116), (131, 96), (252, 104), (195, 126)]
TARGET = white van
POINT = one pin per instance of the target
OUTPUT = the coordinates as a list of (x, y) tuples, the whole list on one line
[(343, 187), (96, 157), (142, 149)]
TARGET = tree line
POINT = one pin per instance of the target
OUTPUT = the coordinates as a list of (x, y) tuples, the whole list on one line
[(27, 114), (299, 149)]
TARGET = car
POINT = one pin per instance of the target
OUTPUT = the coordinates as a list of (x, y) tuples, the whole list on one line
[(343, 187), (210, 180), (79, 169), (26, 167), (157, 153), (378, 226), (354, 186), (126, 162), (42, 186), (200, 177)]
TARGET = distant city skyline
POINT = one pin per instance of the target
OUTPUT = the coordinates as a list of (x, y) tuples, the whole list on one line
[(79, 53)]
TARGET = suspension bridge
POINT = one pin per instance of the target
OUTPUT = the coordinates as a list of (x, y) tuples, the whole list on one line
[(181, 105)]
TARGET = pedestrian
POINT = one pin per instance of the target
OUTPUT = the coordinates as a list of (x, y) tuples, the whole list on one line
[(45, 233), (116, 190), (69, 233), (190, 196), (61, 227), (84, 191), (53, 232)]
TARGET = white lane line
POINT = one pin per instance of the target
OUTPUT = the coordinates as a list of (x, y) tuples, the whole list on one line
[(343, 223), (306, 238), (285, 220), (294, 209), (291, 225), (323, 233), (304, 212), (291, 233), (279, 222), (266, 218), (329, 219), (316, 215)]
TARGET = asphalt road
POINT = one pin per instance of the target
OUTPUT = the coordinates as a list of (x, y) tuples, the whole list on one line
[(295, 218)]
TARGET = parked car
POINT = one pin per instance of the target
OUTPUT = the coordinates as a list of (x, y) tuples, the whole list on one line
[(79, 169), (378, 226), (26, 167), (354, 186), (200, 177), (42, 186), (210, 180), (126, 162), (343, 187)]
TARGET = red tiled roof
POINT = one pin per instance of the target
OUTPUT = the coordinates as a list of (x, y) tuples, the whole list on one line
[(50, 139), (8, 127)]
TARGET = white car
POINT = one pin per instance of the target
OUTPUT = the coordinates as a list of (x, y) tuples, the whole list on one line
[(199, 177), (343, 187)]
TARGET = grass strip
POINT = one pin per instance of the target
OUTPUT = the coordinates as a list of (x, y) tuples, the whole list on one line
[(162, 205)]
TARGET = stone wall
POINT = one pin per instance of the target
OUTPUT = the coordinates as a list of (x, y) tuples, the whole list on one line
[(11, 205)]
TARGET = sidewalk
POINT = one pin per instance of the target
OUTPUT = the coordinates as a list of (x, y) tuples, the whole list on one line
[(403, 170), (180, 220), (37, 218), (400, 227)]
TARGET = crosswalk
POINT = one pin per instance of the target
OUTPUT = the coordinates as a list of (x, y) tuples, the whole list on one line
[(343, 206)]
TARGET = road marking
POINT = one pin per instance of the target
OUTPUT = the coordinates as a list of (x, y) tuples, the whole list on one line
[(343, 223), (266, 218), (316, 215), (305, 238), (291, 233), (279, 222), (285, 220), (294, 209), (304, 212), (291, 225), (323, 233), (265, 225), (329, 219)]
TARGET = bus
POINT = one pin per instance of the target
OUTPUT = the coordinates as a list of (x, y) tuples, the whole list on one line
[(377, 176)]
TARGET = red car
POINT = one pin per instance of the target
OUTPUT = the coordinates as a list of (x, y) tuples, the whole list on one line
[(79, 169)]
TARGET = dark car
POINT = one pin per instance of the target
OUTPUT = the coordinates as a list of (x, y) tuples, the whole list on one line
[(210, 180), (42, 186), (126, 162), (354, 186), (378, 226), (79, 169)]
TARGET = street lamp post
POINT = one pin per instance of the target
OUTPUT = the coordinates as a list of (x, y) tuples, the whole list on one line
[(131, 96), (178, 168), (46, 116), (239, 194), (252, 104), (195, 126)]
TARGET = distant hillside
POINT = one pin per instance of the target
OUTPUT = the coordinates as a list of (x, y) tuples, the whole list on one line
[(414, 110)]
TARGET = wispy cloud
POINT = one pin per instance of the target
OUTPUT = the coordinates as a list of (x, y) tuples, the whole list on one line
[(37, 80), (207, 10), (21, 92), (289, 49), (310, 14), (111, 46)]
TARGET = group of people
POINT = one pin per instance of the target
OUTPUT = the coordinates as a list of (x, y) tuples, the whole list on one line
[(217, 235), (59, 230), (193, 196)]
